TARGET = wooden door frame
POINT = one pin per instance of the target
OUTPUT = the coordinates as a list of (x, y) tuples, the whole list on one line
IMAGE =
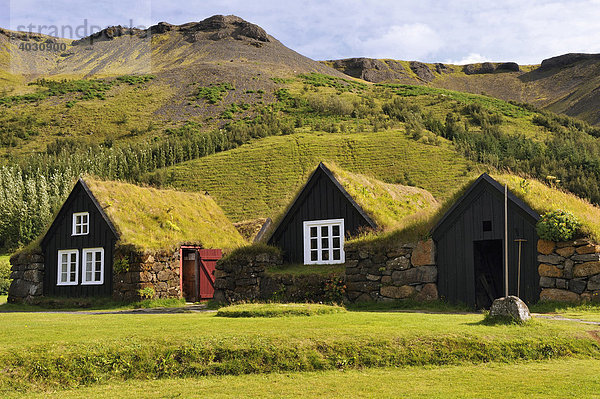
[(197, 289)]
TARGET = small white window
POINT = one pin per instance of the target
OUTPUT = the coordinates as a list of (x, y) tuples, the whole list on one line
[(324, 241), (81, 223), (93, 266), (68, 270)]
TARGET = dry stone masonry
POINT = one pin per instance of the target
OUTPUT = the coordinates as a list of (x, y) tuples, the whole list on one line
[(569, 271), (27, 274), (149, 272), (407, 271), (246, 278)]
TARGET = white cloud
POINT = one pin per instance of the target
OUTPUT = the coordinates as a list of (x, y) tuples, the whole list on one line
[(427, 30), (472, 58), (409, 41)]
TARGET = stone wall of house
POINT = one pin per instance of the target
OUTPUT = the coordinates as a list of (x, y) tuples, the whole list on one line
[(154, 273), (245, 278), (387, 274), (371, 274), (27, 274), (569, 271)]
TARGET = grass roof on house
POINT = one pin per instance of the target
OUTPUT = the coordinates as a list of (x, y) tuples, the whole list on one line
[(153, 219), (390, 206), (539, 196), (543, 198)]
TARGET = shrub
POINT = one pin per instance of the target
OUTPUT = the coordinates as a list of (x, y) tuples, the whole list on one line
[(4, 276), (278, 310), (146, 293), (334, 290), (121, 265), (557, 225)]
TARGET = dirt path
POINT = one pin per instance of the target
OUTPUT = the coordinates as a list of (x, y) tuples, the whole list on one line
[(182, 309), (561, 318)]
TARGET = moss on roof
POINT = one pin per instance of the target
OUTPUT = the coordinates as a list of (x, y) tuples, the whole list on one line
[(153, 219), (387, 204), (543, 198), (538, 195), (391, 206)]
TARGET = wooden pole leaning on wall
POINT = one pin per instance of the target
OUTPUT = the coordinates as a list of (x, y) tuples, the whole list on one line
[(520, 241), (505, 240)]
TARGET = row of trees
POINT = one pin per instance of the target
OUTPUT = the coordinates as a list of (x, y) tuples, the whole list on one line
[(32, 189)]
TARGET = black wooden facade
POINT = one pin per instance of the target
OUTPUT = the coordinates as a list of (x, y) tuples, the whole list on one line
[(470, 246), (102, 234), (322, 198)]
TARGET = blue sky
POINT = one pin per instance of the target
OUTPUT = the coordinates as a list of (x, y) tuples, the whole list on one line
[(458, 31)]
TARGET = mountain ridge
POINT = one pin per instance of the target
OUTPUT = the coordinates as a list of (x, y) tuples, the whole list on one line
[(568, 83)]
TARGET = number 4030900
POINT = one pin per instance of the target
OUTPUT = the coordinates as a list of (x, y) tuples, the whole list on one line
[(42, 46)]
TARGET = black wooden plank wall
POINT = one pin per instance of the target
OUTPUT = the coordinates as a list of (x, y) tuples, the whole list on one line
[(324, 201), (454, 240), (100, 235)]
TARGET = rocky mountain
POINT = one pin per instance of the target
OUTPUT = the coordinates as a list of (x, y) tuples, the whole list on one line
[(568, 84)]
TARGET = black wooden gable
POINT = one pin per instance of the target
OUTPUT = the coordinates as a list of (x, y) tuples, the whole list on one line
[(101, 234), (80, 189), (471, 246), (322, 198), (484, 181)]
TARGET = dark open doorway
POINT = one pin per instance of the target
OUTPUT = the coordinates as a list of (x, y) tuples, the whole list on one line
[(190, 275), (488, 272)]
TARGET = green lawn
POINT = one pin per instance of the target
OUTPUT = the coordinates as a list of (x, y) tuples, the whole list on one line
[(56, 330), (573, 378), (584, 311), (56, 350)]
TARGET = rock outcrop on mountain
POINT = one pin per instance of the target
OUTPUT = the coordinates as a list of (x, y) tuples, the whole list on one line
[(568, 84)]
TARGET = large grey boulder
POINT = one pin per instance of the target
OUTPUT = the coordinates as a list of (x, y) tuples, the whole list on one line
[(510, 306)]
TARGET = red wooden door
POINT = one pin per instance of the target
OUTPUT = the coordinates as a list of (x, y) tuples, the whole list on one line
[(207, 261)]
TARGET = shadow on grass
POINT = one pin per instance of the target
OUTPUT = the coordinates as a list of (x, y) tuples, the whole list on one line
[(87, 304), (409, 305)]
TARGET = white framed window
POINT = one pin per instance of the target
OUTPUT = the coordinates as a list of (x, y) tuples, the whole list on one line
[(68, 267), (324, 242), (92, 264), (81, 223)]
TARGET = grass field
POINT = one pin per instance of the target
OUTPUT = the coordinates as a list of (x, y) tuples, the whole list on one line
[(265, 175), (56, 350), (573, 378)]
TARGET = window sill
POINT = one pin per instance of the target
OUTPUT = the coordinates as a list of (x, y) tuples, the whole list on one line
[(93, 283)]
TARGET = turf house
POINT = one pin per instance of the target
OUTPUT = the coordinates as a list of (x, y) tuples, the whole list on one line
[(113, 239), (385, 242), (323, 214), (470, 247)]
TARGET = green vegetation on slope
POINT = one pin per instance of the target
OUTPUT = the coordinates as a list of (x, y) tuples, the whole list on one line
[(387, 204), (55, 352), (556, 379), (264, 176), (543, 198), (329, 119), (160, 219)]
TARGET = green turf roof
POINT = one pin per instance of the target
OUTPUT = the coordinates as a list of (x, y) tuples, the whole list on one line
[(390, 206), (154, 219)]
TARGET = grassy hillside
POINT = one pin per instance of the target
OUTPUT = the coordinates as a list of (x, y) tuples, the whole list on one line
[(564, 84), (197, 102), (261, 178)]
